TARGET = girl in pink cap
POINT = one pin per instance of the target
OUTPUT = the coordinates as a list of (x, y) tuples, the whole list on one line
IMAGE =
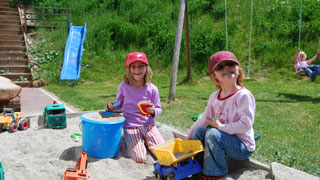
[(139, 130), (230, 111)]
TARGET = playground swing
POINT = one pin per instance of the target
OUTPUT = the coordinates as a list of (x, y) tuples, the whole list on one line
[(250, 39), (300, 72)]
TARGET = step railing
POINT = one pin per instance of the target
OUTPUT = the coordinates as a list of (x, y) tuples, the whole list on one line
[(33, 15), (24, 32)]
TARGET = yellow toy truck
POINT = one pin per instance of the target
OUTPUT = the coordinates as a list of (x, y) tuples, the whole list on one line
[(12, 121), (176, 159)]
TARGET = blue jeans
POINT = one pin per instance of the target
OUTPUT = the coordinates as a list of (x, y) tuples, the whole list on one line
[(313, 68), (217, 146)]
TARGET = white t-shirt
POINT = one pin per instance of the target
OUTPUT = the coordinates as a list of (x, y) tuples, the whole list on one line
[(235, 112)]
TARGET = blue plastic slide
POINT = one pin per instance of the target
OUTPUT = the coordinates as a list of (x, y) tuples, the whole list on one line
[(73, 53)]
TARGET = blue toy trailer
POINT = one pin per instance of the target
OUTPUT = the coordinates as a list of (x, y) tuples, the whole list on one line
[(176, 159), (182, 170)]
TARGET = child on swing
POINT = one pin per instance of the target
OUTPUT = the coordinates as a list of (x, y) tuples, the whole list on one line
[(230, 111), (139, 130), (302, 64)]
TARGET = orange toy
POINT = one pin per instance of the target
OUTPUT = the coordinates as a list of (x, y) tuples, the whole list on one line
[(79, 173)]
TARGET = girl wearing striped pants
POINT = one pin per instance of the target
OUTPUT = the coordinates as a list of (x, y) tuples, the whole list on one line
[(139, 130)]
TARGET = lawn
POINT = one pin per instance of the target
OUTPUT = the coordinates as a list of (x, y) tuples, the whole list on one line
[(287, 111)]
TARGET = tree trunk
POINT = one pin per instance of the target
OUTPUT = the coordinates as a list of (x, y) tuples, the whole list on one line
[(186, 35), (176, 51)]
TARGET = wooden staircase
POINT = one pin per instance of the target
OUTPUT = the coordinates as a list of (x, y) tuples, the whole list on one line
[(13, 58)]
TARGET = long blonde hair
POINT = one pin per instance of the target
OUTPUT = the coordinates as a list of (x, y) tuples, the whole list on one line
[(129, 79), (304, 54), (216, 82)]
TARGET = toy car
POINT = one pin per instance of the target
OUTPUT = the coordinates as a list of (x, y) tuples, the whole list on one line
[(79, 173), (175, 159), (12, 121), (182, 169), (55, 116)]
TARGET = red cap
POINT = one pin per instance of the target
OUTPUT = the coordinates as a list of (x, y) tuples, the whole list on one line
[(136, 56), (219, 57), (54, 102)]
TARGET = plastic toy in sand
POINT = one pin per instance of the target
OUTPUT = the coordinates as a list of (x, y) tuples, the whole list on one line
[(76, 136), (80, 172), (55, 116), (12, 121), (175, 159), (1, 172)]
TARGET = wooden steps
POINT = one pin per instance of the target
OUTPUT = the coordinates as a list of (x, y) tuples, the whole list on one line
[(12, 37), (5, 48), (13, 58)]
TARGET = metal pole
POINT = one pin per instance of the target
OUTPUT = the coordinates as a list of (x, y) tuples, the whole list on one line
[(250, 39), (186, 35), (176, 51), (319, 49), (300, 31), (226, 24), (300, 23)]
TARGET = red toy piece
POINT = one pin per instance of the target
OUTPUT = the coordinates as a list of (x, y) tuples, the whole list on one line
[(79, 173)]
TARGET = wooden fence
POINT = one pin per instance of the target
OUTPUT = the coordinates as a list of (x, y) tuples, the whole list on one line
[(31, 17)]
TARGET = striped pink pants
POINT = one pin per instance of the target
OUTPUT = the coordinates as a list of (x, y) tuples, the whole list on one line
[(135, 140)]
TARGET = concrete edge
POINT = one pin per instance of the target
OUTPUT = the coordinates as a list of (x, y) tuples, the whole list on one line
[(280, 171), (256, 164)]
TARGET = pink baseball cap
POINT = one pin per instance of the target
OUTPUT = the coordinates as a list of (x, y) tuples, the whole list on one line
[(136, 56), (219, 57)]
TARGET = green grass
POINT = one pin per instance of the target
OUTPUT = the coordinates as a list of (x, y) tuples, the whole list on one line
[(287, 113)]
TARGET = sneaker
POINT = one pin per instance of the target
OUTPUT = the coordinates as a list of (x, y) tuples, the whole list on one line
[(308, 72), (313, 76)]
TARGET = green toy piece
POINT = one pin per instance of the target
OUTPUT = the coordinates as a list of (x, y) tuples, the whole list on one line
[(76, 136), (1, 172), (195, 118)]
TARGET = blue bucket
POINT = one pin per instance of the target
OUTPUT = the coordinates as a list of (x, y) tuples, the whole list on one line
[(101, 139)]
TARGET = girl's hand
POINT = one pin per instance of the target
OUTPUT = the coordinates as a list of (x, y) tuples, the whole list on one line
[(213, 123), (189, 138), (110, 106), (151, 109), (318, 52)]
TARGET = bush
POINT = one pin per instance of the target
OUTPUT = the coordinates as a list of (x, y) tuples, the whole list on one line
[(116, 27), (204, 42)]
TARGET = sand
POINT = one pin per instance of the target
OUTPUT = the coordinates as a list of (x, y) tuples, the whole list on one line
[(44, 154), (40, 153), (103, 116)]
